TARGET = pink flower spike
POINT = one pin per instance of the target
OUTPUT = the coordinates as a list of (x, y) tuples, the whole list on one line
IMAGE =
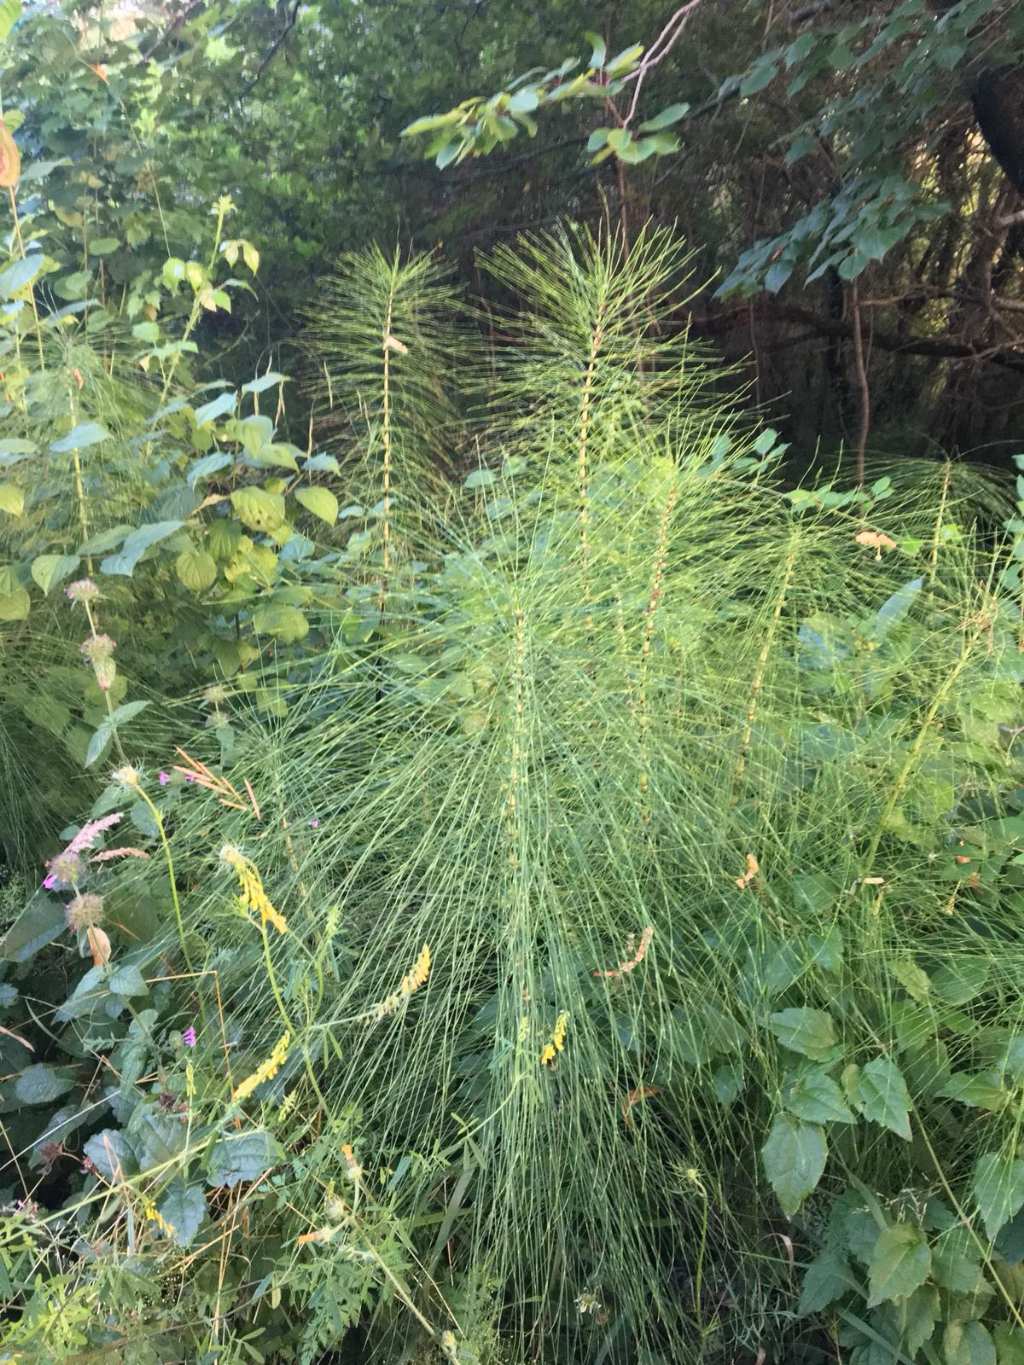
[(163, 778), (89, 833), (188, 1036)]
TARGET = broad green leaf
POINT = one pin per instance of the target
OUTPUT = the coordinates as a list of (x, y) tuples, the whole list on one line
[(112, 1154), (40, 1084), (285, 623), (15, 606), (146, 331), (12, 499), (827, 1278), (196, 568), (1009, 1344), (913, 980), (958, 982), (901, 1262), (879, 1092), (480, 478), (49, 570), (103, 246), (10, 13), (893, 611), (665, 119), (105, 731), (242, 1157), (794, 1159), (320, 501), (625, 61), (80, 438), (998, 1188), (322, 464), (136, 545), (968, 1343), (217, 407), (258, 509), (183, 1209), (158, 1138), (814, 1096), (206, 465), (39, 923), (955, 1264), (983, 1091), (918, 1316), (807, 1031), (20, 274), (256, 433), (600, 49), (127, 980)]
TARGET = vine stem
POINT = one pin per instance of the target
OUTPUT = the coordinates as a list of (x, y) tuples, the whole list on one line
[(158, 820), (31, 288)]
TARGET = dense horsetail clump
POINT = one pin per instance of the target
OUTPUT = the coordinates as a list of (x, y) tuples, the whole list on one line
[(607, 919)]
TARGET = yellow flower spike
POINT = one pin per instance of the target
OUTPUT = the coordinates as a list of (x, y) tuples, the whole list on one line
[(252, 899), (556, 1043), (153, 1215), (266, 1069), (414, 978)]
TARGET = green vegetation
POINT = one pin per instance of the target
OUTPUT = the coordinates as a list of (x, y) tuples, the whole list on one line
[(545, 862)]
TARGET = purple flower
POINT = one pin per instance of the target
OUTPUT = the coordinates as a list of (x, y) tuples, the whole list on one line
[(314, 823), (163, 778), (188, 1036)]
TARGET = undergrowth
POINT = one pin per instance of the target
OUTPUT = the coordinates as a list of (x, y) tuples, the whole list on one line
[(585, 926)]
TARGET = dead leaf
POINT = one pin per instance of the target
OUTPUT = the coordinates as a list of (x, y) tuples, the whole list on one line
[(875, 540), (393, 344), (99, 945), (753, 868), (10, 158)]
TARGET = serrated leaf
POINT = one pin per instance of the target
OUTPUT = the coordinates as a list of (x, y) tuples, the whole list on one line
[(40, 1084), (900, 1263), (246, 1156), (826, 1279), (135, 546), (112, 1154), (12, 499), (998, 1189), (127, 980), (918, 1316), (320, 501), (158, 1138), (196, 568), (981, 1092), (814, 1096), (49, 570), (183, 1209), (80, 438), (794, 1159), (879, 1092), (285, 623), (913, 980), (807, 1031), (258, 509)]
